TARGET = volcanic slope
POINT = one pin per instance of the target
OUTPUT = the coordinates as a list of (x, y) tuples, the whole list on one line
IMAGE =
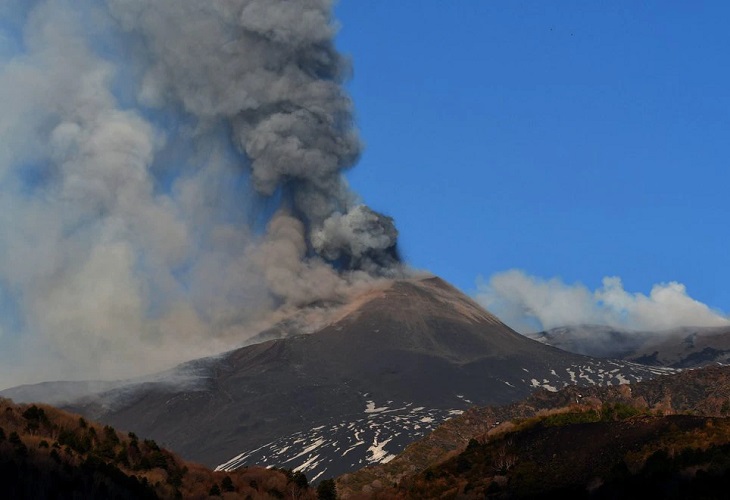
[(685, 347), (399, 361)]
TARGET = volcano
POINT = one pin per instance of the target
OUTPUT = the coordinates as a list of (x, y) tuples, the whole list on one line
[(398, 361)]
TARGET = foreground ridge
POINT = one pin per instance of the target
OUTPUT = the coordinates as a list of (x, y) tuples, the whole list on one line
[(551, 442), (49, 453)]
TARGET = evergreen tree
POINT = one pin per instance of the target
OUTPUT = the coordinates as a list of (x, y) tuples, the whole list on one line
[(326, 490)]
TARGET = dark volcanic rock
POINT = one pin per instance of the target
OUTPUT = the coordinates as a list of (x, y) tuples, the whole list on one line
[(413, 353)]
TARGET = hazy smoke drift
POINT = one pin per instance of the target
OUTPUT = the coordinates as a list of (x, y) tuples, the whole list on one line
[(133, 136), (529, 304)]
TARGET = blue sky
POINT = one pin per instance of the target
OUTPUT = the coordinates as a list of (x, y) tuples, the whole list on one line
[(567, 139)]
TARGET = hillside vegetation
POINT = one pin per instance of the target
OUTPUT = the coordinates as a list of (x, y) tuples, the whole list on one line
[(510, 450), (49, 453), (582, 453)]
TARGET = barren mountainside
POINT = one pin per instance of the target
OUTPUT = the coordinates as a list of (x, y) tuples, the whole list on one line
[(397, 362)]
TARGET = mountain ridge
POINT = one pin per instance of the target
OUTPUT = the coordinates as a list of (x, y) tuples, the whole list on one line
[(418, 350), (682, 347), (699, 393), (49, 453)]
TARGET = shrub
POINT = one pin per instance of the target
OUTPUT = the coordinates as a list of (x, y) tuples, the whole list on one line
[(122, 457), (175, 477), (110, 434), (619, 411), (559, 419), (20, 447), (725, 409), (158, 459), (300, 479), (151, 444), (71, 440), (473, 444), (35, 413), (15, 439), (35, 418), (227, 484), (326, 490)]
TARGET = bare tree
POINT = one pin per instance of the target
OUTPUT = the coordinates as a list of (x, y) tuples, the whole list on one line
[(504, 459)]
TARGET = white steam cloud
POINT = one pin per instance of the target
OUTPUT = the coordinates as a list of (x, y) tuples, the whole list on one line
[(164, 167), (530, 304)]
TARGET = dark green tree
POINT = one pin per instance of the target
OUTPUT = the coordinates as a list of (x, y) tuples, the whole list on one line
[(300, 479), (326, 490), (227, 484)]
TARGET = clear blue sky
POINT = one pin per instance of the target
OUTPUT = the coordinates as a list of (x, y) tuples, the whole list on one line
[(573, 139)]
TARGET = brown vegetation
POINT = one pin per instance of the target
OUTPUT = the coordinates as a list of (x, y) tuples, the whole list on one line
[(577, 454), (46, 452), (703, 392)]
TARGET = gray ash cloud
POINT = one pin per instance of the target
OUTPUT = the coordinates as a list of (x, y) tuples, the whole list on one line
[(270, 69)]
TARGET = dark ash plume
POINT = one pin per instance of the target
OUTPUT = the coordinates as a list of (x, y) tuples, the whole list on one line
[(270, 68), (360, 239)]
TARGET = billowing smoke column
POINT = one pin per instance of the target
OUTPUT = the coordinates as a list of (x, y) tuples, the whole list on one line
[(171, 180), (270, 69)]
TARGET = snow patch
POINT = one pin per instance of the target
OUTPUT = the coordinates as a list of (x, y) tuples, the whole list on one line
[(370, 408), (310, 448), (377, 452)]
